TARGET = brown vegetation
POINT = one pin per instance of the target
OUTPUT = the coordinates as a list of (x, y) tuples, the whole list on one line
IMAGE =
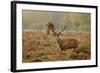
[(37, 47)]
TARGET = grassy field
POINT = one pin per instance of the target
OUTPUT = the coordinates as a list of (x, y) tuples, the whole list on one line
[(38, 47)]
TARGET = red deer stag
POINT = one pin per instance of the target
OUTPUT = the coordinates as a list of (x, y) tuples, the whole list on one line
[(64, 43)]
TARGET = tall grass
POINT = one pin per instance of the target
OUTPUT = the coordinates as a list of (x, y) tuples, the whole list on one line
[(38, 47)]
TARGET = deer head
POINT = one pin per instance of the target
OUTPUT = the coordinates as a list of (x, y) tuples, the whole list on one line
[(58, 34)]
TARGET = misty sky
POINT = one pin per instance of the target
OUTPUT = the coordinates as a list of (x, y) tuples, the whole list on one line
[(37, 19)]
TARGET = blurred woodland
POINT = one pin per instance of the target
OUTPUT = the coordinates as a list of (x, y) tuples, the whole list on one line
[(75, 21)]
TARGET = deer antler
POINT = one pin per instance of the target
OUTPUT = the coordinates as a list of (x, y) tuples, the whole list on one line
[(61, 30), (50, 27)]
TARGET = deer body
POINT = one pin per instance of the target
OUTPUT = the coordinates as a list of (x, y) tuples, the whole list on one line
[(67, 43)]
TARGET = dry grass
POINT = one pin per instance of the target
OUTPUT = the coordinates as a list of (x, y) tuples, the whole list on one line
[(38, 47)]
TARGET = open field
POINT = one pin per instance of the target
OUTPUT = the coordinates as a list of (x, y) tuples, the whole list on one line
[(38, 47)]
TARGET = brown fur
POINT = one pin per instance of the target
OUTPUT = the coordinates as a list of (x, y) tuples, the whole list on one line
[(67, 43)]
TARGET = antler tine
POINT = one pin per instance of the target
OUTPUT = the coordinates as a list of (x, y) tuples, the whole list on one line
[(62, 30), (64, 27)]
